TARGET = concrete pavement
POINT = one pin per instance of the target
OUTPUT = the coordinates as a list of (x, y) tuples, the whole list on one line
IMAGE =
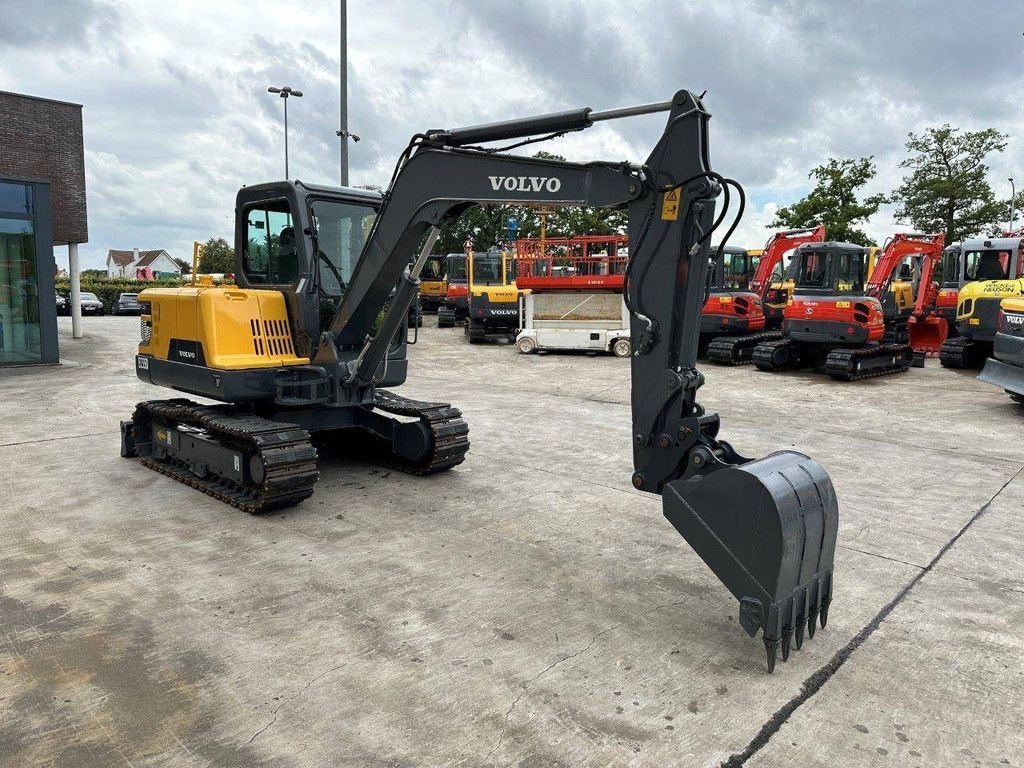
[(526, 609)]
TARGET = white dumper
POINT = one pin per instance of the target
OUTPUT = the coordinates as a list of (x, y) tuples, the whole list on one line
[(597, 322)]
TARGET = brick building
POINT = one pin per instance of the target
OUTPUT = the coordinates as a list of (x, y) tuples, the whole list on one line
[(41, 140), (42, 204)]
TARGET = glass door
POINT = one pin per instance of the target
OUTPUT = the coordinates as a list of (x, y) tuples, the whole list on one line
[(19, 293)]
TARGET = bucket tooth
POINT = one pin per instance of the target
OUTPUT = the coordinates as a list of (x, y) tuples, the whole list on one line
[(824, 614), (787, 639), (812, 622), (767, 529), (771, 648)]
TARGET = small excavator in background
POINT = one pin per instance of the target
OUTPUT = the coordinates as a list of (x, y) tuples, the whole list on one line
[(1006, 366), (993, 270), (304, 345), (927, 330), (734, 322), (731, 306), (855, 329), (433, 282), (493, 299), (902, 282), (831, 321), (775, 282), (455, 306)]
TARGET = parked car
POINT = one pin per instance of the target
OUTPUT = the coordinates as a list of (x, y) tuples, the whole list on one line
[(63, 306), (127, 304), (91, 305)]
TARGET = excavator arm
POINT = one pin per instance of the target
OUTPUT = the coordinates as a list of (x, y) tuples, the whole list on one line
[(895, 250), (766, 527), (776, 247)]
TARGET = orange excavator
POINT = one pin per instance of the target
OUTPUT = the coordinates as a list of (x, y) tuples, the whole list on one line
[(927, 328), (855, 330), (736, 318), (902, 282)]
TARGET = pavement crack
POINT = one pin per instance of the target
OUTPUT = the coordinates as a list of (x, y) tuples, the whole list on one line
[(817, 680), (52, 439), (293, 698), (539, 675), (881, 557)]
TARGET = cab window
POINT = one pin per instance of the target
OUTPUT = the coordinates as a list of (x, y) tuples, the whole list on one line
[(341, 231), (734, 271), (270, 249), (812, 270), (433, 269), (850, 275), (987, 265), (786, 268)]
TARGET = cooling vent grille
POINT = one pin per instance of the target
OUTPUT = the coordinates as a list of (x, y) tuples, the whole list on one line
[(271, 338)]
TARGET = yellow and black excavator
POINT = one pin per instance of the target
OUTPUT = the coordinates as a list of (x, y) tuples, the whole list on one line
[(993, 270), (492, 297), (301, 352)]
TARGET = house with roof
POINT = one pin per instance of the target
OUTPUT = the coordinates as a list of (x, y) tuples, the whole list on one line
[(127, 263)]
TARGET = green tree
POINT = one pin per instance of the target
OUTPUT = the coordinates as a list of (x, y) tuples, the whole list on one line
[(487, 225), (834, 201), (947, 189), (184, 267), (217, 256)]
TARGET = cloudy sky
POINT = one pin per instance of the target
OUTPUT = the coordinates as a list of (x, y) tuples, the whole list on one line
[(177, 116)]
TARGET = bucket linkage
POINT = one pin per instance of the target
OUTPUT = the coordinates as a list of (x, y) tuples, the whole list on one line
[(766, 527)]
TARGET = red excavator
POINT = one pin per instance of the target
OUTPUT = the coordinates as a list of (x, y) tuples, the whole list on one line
[(748, 317), (855, 330), (926, 327)]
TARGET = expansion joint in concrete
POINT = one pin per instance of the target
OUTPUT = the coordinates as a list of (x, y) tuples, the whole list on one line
[(816, 681)]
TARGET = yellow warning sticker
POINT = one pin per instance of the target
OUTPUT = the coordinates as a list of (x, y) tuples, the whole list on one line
[(670, 205), (842, 305)]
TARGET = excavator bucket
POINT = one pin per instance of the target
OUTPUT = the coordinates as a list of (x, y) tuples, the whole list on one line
[(767, 528), (927, 333)]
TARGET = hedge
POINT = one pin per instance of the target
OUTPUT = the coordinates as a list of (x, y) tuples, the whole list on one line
[(108, 289)]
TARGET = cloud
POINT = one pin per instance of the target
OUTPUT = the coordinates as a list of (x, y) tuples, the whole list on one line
[(177, 116)]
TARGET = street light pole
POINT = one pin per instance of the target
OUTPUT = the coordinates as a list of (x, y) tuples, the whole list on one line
[(343, 87), (1013, 199), (284, 92), (345, 136)]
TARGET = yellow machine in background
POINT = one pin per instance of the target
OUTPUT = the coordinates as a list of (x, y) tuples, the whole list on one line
[(493, 296), (433, 283), (994, 269)]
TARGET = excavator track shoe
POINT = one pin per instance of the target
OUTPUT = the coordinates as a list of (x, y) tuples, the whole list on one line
[(252, 463), (868, 362), (738, 350), (767, 529), (961, 352), (448, 433), (780, 354)]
